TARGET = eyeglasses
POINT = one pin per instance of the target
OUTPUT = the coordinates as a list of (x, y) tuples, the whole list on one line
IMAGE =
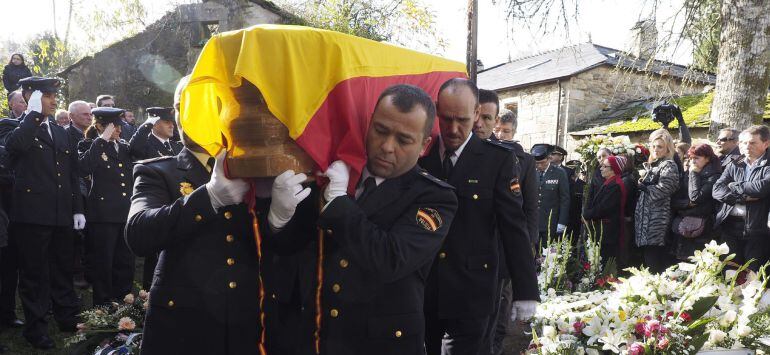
[(725, 139)]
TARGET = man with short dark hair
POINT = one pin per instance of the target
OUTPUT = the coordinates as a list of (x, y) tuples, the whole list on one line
[(153, 138), (461, 290), (489, 107), (105, 101), (743, 190), (506, 126), (127, 126), (16, 104), (727, 146), (45, 209)]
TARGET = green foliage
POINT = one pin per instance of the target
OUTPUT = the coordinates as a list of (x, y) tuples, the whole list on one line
[(695, 110), (703, 29), (98, 20), (405, 22), (47, 55)]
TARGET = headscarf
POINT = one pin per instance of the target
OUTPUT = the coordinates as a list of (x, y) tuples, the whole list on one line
[(618, 165)]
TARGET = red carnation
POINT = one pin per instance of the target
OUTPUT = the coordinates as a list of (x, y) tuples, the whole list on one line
[(685, 316)]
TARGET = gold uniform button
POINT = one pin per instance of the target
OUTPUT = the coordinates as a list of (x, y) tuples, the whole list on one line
[(58, 174), (108, 166), (486, 266), (232, 284), (101, 198), (67, 151), (229, 238), (228, 215), (344, 263), (122, 184), (121, 174), (442, 255), (475, 197), (334, 313), (171, 303), (124, 194), (272, 296), (198, 217), (60, 186), (29, 190), (336, 288), (399, 334), (230, 261), (329, 232), (120, 165)]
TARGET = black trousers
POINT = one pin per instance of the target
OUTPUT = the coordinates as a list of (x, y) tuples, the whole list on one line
[(9, 279), (458, 336), (497, 327), (45, 276), (110, 262), (282, 327)]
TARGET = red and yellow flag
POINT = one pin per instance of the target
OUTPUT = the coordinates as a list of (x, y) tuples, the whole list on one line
[(322, 85)]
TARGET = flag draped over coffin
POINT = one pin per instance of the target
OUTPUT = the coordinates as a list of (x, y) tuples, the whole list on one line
[(322, 85)]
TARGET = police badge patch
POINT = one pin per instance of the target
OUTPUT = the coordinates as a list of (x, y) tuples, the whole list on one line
[(515, 186), (429, 219)]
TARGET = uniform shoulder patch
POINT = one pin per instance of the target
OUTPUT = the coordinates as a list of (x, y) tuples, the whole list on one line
[(157, 159), (429, 219), (498, 144), (515, 186), (434, 179)]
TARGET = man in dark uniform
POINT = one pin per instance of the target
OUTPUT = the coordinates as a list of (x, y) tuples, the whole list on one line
[(45, 207), (204, 299), (153, 138), (554, 194), (576, 188), (461, 289), (378, 244), (105, 158), (524, 174), (80, 115)]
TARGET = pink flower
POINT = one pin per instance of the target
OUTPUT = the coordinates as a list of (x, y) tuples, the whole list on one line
[(586, 266), (129, 298), (651, 327), (636, 349), (126, 323), (685, 316), (639, 328), (578, 326), (663, 343)]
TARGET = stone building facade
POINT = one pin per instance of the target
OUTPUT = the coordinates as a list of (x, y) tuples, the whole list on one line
[(561, 91), (142, 71)]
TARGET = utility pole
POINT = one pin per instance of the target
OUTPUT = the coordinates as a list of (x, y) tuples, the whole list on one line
[(473, 30)]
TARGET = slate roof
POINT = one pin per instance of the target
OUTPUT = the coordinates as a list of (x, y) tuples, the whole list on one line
[(568, 61)]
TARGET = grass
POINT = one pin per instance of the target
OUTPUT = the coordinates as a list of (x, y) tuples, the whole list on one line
[(13, 339)]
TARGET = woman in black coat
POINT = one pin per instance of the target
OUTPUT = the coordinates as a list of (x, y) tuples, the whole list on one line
[(15, 71), (106, 158), (606, 211), (693, 224)]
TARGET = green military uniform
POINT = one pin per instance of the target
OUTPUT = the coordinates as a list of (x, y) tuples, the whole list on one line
[(554, 197)]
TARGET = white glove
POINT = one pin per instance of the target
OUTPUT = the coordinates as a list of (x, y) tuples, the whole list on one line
[(35, 103), (108, 131), (287, 193), (223, 191), (560, 228), (523, 310), (152, 119), (79, 221), (339, 175)]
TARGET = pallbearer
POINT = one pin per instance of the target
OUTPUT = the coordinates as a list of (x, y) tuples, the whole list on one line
[(106, 158)]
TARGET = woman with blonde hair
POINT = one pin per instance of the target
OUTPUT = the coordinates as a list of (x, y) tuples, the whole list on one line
[(653, 208)]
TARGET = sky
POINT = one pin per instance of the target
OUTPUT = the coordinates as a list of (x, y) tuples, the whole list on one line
[(604, 22)]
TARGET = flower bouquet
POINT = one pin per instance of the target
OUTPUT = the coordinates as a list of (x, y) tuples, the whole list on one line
[(113, 327), (689, 307), (588, 147)]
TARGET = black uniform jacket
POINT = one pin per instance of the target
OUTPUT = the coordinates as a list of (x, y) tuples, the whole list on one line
[(204, 297), (144, 145), (46, 190), (376, 259), (109, 193), (463, 278)]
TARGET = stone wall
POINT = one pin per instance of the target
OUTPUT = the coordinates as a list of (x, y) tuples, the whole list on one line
[(536, 111), (142, 71)]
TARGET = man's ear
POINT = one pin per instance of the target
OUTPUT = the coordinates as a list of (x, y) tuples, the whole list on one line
[(425, 144)]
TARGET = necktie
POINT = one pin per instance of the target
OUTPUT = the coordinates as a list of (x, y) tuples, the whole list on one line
[(45, 128), (369, 185), (210, 163), (446, 164), (168, 146)]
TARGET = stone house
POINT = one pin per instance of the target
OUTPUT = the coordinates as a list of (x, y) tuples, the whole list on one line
[(142, 71), (566, 90)]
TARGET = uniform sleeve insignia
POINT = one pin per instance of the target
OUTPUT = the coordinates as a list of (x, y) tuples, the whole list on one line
[(515, 186), (185, 188), (429, 219)]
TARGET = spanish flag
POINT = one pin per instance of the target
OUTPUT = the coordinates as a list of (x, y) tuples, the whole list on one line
[(322, 85)]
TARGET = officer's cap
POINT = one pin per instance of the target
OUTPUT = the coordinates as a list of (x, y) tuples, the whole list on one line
[(107, 115), (165, 113), (45, 85), (559, 150), (541, 151), (574, 164)]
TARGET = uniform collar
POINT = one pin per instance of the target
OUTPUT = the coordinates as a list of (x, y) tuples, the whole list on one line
[(203, 158), (457, 152), (366, 174), (162, 140)]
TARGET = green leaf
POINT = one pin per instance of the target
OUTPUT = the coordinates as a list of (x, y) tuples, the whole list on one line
[(701, 306)]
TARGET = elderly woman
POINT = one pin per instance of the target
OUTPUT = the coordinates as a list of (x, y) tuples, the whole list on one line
[(606, 212), (692, 225), (653, 208)]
